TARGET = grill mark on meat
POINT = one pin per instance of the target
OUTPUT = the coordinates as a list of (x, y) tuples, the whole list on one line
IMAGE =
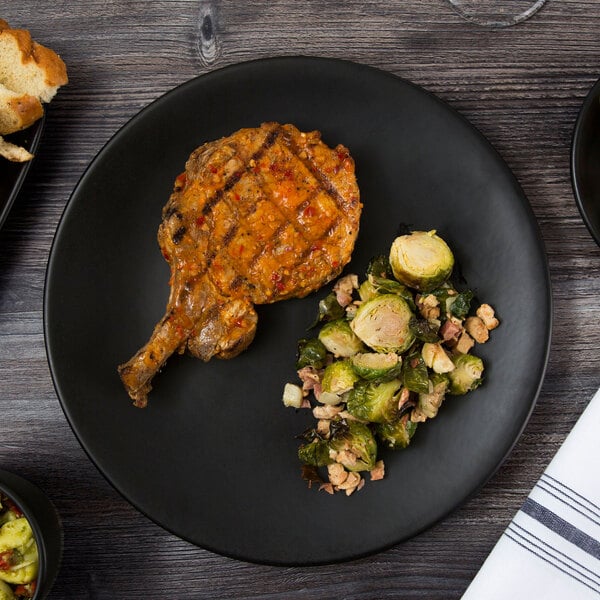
[(324, 181), (235, 177), (178, 235), (237, 282)]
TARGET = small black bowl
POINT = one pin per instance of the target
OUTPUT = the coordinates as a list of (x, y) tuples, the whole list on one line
[(585, 161), (45, 523)]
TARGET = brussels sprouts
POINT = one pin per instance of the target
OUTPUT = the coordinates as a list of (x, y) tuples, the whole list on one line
[(367, 290), (421, 260), (339, 377), (373, 365), (350, 443), (414, 374), (460, 304), (355, 445), (374, 402), (383, 324), (430, 403), (398, 433), (339, 339), (315, 453), (424, 330), (379, 266), (329, 309), (311, 353), (466, 375)]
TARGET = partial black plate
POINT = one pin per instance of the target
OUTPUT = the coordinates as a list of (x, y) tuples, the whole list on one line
[(213, 457), (12, 175), (585, 161)]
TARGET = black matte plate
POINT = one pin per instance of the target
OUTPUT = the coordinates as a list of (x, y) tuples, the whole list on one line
[(213, 457), (12, 174), (585, 161)]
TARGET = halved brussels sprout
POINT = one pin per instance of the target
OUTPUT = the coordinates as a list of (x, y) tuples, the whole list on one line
[(382, 323), (339, 339), (398, 433), (375, 365), (374, 402), (421, 260), (351, 443), (355, 445), (467, 374), (367, 290), (315, 453), (311, 353), (338, 377)]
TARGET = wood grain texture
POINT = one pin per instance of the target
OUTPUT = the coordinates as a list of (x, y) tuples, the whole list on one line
[(522, 87)]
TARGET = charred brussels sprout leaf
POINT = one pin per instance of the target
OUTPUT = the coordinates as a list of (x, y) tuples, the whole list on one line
[(414, 374), (311, 353), (424, 331), (421, 260), (339, 339), (379, 266), (461, 304), (376, 403), (329, 309), (315, 453), (467, 374), (382, 323), (396, 434)]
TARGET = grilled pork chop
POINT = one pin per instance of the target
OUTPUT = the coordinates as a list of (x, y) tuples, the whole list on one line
[(265, 214)]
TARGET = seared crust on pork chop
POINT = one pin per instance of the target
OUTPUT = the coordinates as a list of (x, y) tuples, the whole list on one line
[(262, 215)]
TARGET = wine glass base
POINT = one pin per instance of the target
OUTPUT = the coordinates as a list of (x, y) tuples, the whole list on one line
[(496, 13)]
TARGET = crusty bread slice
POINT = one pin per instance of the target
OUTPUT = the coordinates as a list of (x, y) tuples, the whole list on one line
[(28, 67), (17, 111), (13, 152)]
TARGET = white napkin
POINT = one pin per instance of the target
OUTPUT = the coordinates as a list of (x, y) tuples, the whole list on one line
[(551, 549)]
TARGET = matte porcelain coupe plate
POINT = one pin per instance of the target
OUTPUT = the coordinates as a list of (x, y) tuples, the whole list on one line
[(213, 456)]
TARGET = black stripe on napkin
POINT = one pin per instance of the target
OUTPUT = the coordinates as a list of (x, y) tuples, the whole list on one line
[(555, 555), (575, 497), (535, 550), (561, 527)]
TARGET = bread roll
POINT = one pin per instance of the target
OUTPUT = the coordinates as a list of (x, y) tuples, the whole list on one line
[(28, 67)]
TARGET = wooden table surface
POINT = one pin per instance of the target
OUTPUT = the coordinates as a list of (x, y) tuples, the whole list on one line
[(521, 86)]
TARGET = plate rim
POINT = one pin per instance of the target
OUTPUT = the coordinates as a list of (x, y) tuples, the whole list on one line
[(592, 95)]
